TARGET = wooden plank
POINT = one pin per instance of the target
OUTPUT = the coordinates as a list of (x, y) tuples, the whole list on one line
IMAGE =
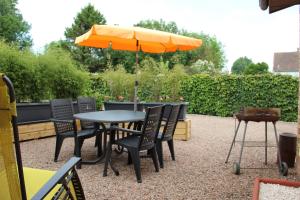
[(35, 127), (36, 134), (35, 131)]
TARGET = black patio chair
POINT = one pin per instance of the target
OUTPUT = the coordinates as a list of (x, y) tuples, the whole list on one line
[(130, 125), (65, 126), (168, 132), (28, 183), (139, 141), (86, 104)]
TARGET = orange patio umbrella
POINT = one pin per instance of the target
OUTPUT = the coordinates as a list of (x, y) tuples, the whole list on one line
[(136, 39)]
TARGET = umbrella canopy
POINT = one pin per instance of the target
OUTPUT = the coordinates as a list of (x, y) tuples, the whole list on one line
[(136, 39)]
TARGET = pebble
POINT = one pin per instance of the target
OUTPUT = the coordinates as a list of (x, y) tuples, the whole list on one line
[(199, 171)]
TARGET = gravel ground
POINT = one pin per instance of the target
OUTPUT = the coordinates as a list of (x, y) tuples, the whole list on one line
[(199, 171)]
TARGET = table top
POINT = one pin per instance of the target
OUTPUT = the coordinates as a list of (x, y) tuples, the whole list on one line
[(110, 116)]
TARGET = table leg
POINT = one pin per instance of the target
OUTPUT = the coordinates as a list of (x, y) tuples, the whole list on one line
[(100, 152), (108, 160)]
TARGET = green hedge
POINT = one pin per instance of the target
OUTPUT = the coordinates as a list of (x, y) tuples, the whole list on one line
[(223, 95)]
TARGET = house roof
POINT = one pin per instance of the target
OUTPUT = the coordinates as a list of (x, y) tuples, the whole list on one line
[(286, 62), (276, 5)]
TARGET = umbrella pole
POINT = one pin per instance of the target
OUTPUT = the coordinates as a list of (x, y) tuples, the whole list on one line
[(136, 82)]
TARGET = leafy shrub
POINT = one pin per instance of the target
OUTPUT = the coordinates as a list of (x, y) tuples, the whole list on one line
[(152, 77), (156, 82), (35, 78), (224, 95), (98, 89), (23, 69), (63, 78), (119, 83), (172, 85)]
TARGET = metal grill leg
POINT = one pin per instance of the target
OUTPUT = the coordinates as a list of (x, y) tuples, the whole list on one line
[(243, 141), (266, 143), (233, 141)]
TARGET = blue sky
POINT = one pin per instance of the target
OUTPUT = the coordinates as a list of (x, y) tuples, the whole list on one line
[(240, 26)]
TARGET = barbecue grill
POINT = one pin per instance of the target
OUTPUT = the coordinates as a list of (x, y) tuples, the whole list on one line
[(266, 115)]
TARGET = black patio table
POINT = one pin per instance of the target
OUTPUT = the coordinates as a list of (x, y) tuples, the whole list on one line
[(112, 117)]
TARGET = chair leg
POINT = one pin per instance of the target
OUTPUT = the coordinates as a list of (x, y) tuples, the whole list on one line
[(153, 154), (159, 150), (97, 141), (171, 148), (59, 141), (81, 144), (78, 145), (129, 158), (137, 165)]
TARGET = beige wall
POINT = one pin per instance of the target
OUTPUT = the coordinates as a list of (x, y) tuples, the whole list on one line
[(298, 143)]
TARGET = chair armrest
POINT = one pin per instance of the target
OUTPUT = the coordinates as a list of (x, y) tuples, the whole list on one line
[(57, 178), (135, 132)]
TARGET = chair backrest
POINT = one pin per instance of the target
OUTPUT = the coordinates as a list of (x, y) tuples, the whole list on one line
[(86, 104), (62, 109), (11, 169), (171, 122), (150, 127), (122, 106)]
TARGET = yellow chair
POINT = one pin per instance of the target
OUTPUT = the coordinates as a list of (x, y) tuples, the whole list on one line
[(17, 182)]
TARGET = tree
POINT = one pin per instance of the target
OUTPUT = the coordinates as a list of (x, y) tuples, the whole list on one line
[(160, 25), (13, 28), (211, 51), (93, 58), (258, 68), (240, 65), (201, 66)]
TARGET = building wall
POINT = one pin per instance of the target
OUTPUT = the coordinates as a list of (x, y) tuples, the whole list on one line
[(298, 140)]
